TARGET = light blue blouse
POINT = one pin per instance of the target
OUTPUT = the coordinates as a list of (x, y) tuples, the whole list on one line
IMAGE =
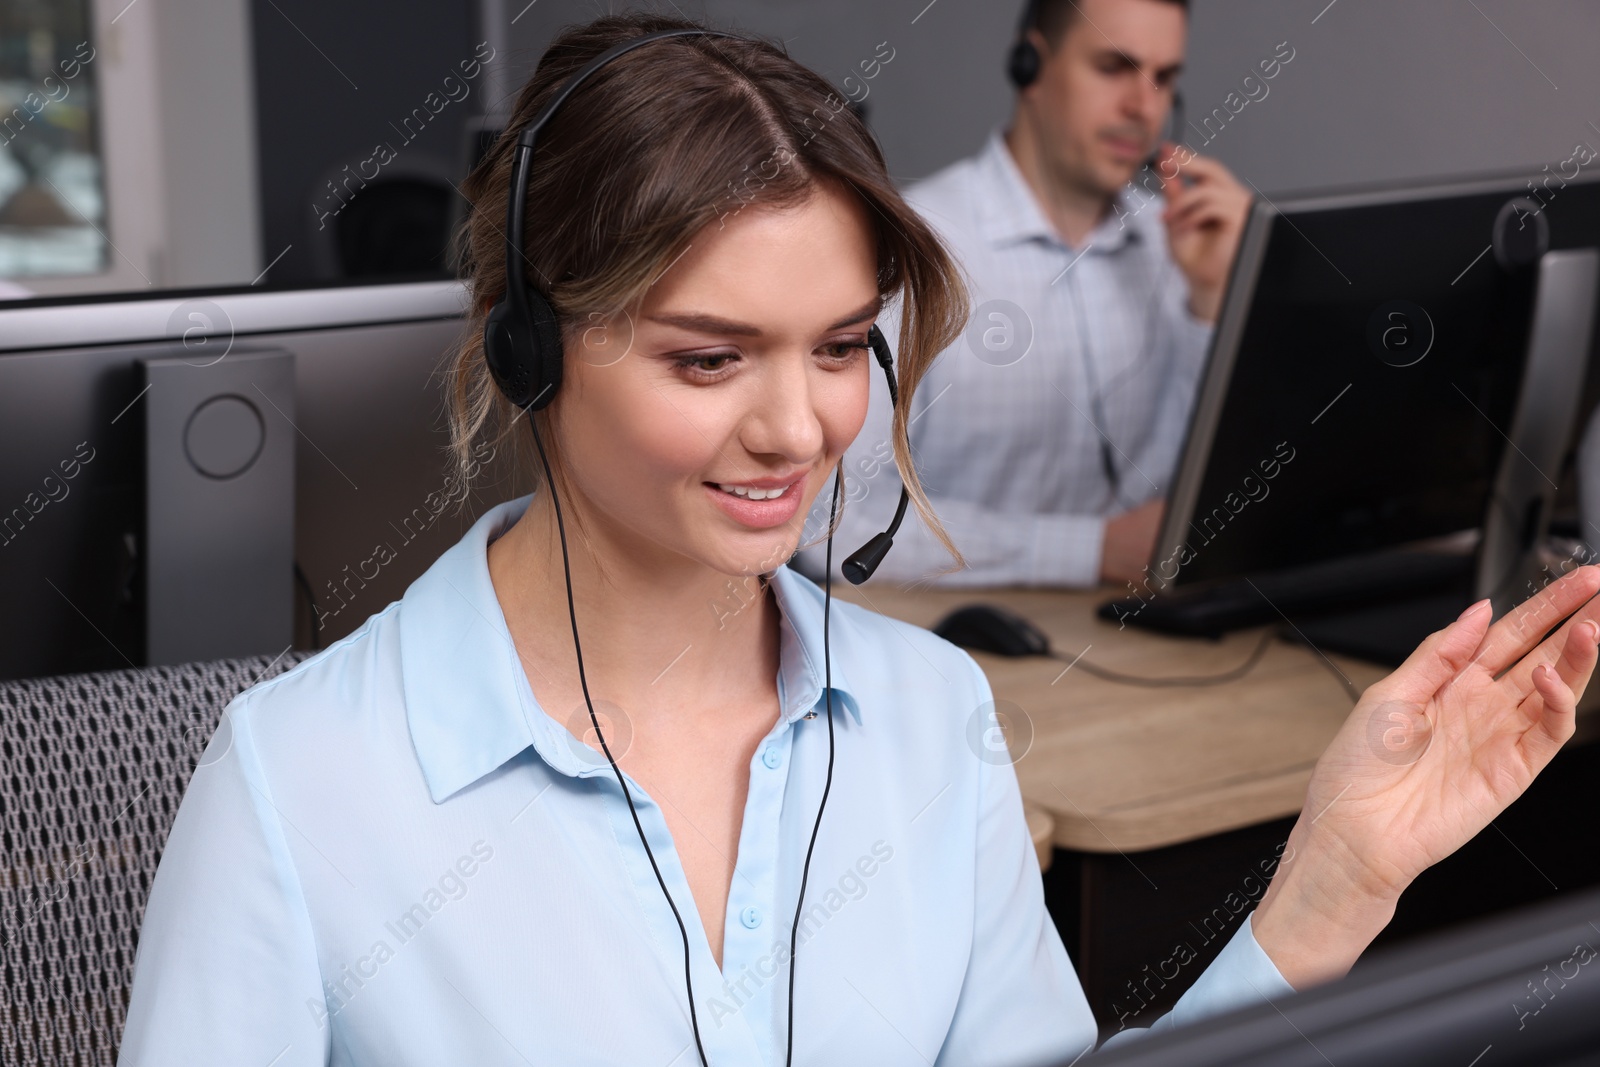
[(391, 854)]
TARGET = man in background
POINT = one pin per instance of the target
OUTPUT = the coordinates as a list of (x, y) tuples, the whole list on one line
[(1046, 438)]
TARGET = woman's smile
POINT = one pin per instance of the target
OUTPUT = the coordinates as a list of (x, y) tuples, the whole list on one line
[(759, 504)]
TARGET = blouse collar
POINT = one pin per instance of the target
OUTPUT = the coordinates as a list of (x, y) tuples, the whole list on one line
[(468, 702)]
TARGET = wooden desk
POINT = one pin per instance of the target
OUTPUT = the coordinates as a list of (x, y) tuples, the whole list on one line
[(1164, 800), (1123, 768)]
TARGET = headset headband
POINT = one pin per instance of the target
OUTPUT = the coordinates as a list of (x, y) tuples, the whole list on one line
[(1026, 22), (521, 161)]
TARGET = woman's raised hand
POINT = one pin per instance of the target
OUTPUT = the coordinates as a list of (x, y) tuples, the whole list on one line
[(1428, 757)]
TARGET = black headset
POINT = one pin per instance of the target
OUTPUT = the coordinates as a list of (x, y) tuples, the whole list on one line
[(522, 346), (1022, 65)]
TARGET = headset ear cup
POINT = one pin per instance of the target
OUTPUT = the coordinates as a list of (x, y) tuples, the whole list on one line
[(1023, 64), (522, 345), (504, 350), (546, 355)]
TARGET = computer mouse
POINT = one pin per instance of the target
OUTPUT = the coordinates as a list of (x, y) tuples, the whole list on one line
[(992, 628)]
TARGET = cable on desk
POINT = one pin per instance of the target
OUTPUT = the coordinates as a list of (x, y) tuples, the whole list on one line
[(1178, 680), (1346, 684)]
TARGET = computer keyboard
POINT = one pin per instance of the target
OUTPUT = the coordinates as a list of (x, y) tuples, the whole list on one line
[(1215, 608)]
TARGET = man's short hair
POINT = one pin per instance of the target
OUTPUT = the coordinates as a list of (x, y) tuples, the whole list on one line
[(1052, 18)]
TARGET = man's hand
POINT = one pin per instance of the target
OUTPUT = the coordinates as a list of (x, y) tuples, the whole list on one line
[(1204, 217), (1129, 541)]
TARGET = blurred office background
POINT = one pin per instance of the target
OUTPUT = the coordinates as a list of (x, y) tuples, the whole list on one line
[(197, 146), (274, 181)]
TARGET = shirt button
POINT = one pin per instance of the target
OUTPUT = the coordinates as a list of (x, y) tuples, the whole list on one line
[(751, 917), (772, 757)]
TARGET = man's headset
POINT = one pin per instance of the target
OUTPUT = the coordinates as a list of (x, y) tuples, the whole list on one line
[(1024, 62), (1022, 65), (522, 346)]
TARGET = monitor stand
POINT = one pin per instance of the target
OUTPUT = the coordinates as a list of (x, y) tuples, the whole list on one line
[(1542, 427)]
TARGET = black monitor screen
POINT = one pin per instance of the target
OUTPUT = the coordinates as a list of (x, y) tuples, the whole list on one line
[(1360, 398)]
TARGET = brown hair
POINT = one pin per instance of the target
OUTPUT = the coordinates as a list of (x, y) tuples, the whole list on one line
[(1053, 18), (656, 145)]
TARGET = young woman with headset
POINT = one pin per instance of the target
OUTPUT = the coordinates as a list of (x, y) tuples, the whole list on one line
[(611, 783)]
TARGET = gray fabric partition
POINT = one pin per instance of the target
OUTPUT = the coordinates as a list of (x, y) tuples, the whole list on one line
[(92, 767)]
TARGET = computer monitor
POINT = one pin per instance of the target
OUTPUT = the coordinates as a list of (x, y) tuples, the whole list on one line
[(1363, 383), (130, 532), (1519, 989)]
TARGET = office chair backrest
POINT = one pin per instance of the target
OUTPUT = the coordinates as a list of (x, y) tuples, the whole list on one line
[(398, 223), (92, 767)]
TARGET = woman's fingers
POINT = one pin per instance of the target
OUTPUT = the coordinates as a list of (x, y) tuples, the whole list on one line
[(1570, 651), (1579, 652), (1440, 657), (1556, 717), (1524, 625)]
